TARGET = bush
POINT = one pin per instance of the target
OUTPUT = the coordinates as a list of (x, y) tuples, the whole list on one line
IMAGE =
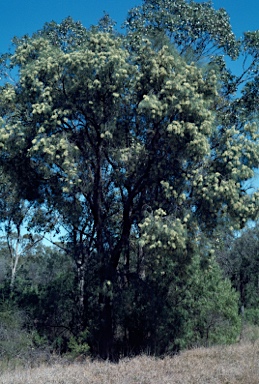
[(212, 307), (78, 345), (251, 316), (15, 341)]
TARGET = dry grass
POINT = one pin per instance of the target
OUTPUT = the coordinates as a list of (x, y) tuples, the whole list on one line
[(237, 364)]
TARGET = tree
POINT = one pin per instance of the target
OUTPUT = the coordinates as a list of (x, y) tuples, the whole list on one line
[(135, 148), (44, 289), (240, 261), (17, 247), (197, 30), (17, 218)]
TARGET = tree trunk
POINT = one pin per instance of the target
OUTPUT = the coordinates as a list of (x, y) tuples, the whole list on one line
[(106, 343), (106, 331)]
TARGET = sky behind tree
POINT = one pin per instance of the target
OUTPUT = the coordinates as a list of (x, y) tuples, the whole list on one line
[(19, 17)]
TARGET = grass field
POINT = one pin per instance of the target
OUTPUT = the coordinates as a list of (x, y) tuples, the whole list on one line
[(236, 364)]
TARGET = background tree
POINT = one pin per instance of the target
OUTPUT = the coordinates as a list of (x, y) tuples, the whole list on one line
[(240, 264), (44, 290), (17, 217), (138, 151)]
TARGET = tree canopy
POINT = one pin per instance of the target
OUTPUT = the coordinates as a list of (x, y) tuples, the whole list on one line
[(139, 144)]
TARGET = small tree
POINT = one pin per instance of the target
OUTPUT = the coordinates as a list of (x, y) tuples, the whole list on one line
[(213, 306)]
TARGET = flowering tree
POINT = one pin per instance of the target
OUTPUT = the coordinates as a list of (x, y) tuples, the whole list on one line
[(137, 148)]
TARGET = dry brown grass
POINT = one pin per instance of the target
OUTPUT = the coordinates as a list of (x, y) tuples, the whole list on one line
[(236, 364)]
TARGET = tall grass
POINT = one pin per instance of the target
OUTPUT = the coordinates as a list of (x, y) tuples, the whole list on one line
[(235, 364)]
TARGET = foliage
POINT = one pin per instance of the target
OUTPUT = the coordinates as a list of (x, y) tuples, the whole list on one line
[(14, 340), (212, 308), (251, 316), (45, 290), (241, 263), (138, 147), (77, 346), (195, 29)]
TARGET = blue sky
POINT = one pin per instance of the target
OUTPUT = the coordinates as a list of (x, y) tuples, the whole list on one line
[(26, 16), (19, 17)]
